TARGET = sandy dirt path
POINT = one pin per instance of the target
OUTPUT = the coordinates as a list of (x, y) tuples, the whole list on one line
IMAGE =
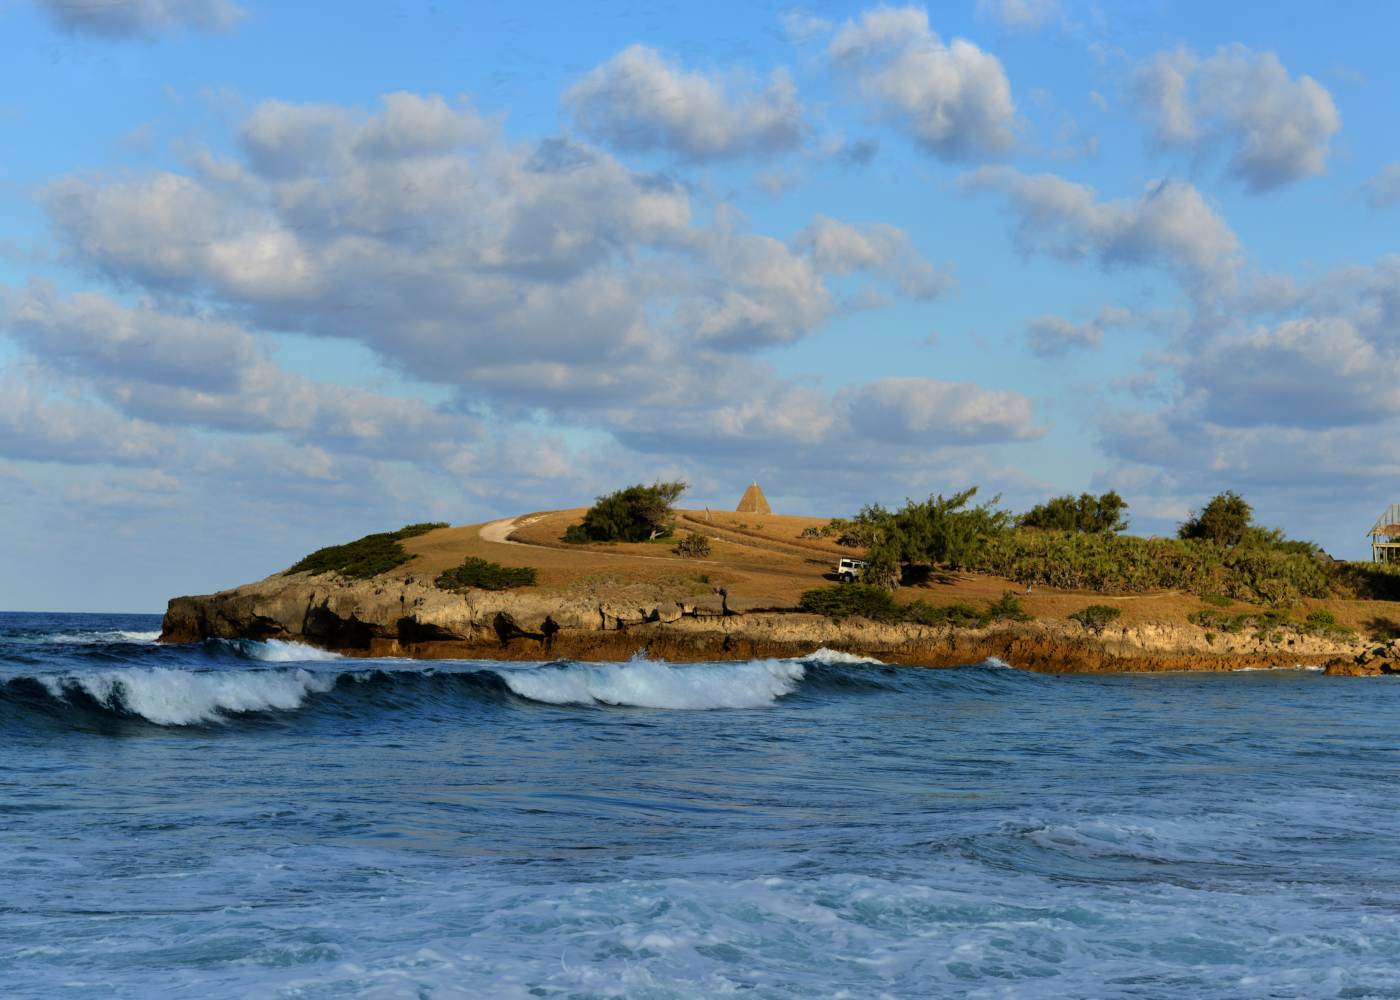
[(499, 531)]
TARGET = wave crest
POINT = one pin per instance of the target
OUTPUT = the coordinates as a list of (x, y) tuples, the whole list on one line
[(281, 651), (184, 698), (650, 684)]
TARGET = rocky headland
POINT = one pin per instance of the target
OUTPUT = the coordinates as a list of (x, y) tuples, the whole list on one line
[(404, 614)]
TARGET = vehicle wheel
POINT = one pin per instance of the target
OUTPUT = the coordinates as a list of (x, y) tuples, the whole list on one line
[(848, 577)]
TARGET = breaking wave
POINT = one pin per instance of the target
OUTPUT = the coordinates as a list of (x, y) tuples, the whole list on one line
[(649, 684), (280, 651), (167, 696), (244, 679)]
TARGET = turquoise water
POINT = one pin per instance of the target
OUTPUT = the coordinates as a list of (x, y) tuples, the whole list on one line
[(237, 819)]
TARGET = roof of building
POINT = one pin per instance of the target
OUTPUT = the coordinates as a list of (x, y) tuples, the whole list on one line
[(753, 501)]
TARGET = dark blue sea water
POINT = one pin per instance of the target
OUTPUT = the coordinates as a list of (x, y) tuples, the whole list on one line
[(260, 820)]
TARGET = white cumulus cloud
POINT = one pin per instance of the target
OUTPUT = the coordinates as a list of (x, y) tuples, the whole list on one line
[(639, 100), (1170, 225), (1277, 127), (953, 99)]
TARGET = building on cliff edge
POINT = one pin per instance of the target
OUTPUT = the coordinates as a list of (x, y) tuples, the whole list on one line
[(753, 501), (1385, 536)]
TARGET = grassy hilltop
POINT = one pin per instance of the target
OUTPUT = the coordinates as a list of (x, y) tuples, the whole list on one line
[(939, 562)]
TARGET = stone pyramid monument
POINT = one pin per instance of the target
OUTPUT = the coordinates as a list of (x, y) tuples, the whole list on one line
[(753, 501)]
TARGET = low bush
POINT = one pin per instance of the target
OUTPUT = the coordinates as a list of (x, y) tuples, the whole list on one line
[(877, 604), (575, 535), (365, 557), (1323, 623), (1007, 608), (845, 600), (1270, 625), (481, 574), (1096, 617), (694, 545), (1368, 580), (958, 615)]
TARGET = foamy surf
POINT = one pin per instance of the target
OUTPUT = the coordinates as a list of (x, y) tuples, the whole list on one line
[(281, 651), (96, 637), (837, 658), (183, 697), (649, 684)]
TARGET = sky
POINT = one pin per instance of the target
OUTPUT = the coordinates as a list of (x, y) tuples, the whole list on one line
[(274, 276)]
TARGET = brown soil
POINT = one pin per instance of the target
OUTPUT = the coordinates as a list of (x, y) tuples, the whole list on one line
[(763, 562)]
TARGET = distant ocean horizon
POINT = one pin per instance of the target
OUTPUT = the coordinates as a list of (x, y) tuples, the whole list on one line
[(238, 818)]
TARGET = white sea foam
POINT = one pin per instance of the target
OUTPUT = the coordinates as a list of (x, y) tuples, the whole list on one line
[(649, 684), (182, 697), (995, 663), (836, 658), (99, 636), (279, 651)]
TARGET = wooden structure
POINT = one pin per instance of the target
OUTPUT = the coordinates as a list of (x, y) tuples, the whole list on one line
[(1385, 536), (753, 501)]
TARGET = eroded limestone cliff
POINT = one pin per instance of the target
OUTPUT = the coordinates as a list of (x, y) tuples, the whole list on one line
[(407, 616)]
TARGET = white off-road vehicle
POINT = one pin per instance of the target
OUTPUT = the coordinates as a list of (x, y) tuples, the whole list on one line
[(849, 569)]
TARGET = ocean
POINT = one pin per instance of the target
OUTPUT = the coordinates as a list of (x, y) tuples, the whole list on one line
[(259, 819)]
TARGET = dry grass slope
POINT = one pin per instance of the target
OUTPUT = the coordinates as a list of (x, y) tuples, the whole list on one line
[(762, 561)]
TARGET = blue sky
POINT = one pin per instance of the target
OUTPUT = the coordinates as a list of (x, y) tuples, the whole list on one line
[(273, 276)]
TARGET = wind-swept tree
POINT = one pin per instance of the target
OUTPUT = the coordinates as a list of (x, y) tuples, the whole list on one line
[(635, 514), (939, 531)]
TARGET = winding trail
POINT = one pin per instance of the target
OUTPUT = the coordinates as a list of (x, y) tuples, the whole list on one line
[(499, 531)]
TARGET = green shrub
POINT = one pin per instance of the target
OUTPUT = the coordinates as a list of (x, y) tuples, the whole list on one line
[(1006, 609), (1208, 618), (1219, 600), (845, 600), (1096, 617), (1368, 580), (365, 557), (1254, 571), (693, 545), (877, 604), (957, 615), (1323, 623), (635, 514), (575, 535), (481, 574)]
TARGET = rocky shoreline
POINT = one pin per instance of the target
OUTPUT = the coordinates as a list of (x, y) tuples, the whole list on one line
[(409, 617)]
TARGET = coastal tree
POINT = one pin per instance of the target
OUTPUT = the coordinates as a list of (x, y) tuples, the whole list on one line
[(636, 514), (1225, 520), (1105, 514), (939, 531)]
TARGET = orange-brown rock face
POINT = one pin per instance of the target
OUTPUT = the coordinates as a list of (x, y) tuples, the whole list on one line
[(408, 617)]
